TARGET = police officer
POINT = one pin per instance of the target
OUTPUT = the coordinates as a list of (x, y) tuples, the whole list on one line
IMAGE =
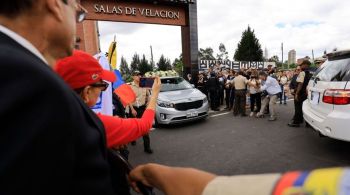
[(301, 94), (138, 107)]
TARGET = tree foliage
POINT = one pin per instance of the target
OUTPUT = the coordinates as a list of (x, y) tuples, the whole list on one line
[(223, 54), (274, 59), (135, 62), (124, 69), (249, 48), (164, 64), (206, 54), (144, 65), (178, 65)]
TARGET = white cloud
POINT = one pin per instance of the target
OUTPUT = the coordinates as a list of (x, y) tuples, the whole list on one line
[(307, 25)]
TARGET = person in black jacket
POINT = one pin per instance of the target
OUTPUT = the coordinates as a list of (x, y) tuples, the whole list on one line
[(213, 87), (202, 84), (293, 83), (300, 94), (51, 142)]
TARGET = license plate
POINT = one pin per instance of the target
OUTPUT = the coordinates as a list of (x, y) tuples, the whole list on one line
[(192, 114), (315, 97)]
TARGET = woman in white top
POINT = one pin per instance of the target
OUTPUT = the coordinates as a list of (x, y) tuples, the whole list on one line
[(255, 94), (283, 80)]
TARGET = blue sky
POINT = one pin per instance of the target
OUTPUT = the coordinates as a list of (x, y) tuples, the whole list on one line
[(301, 25)]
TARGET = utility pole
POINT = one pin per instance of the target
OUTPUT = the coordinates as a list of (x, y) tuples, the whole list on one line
[(152, 61), (313, 57), (282, 53)]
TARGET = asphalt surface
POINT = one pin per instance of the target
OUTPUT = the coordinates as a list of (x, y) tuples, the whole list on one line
[(228, 145)]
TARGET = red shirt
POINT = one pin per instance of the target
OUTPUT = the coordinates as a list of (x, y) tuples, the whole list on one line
[(120, 131)]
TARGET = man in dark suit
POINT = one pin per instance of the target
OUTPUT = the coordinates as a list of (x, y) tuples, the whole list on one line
[(50, 142)]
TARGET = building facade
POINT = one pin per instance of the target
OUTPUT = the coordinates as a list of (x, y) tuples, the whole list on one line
[(292, 57)]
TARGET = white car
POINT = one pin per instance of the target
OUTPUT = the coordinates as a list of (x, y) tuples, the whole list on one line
[(327, 108), (180, 102)]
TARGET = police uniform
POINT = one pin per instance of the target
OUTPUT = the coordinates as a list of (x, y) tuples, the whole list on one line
[(142, 95)]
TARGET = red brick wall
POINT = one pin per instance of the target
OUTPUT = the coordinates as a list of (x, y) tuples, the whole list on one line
[(87, 37)]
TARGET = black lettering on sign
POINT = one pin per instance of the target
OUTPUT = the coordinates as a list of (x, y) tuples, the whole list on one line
[(260, 65), (236, 66), (204, 64), (253, 65), (244, 65)]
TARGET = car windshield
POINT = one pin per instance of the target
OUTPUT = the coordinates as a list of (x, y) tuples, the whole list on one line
[(175, 84), (334, 70)]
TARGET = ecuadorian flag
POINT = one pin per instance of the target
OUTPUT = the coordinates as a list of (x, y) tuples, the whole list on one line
[(123, 90)]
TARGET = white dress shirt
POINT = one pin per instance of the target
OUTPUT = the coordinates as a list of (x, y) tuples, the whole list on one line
[(22, 41), (271, 86), (242, 185)]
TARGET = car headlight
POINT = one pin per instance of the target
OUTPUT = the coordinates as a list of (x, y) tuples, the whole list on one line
[(165, 104), (205, 100)]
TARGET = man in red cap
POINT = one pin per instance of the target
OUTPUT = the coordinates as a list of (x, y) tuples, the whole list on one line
[(85, 76)]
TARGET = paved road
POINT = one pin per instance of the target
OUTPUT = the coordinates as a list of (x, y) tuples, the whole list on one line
[(227, 145)]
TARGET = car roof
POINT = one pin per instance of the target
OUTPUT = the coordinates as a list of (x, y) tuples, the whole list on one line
[(339, 54)]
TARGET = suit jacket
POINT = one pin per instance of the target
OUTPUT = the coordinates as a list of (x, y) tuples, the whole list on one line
[(50, 141)]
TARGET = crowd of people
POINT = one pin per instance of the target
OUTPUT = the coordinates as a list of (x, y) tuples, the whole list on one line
[(259, 89)]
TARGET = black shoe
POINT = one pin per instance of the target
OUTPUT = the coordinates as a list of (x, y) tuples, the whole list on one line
[(244, 115), (293, 124), (227, 108), (149, 151), (133, 143)]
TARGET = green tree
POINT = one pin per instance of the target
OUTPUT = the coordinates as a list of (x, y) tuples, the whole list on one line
[(274, 59), (206, 54), (144, 65), (249, 48), (178, 65), (124, 69), (223, 54), (164, 64), (135, 62), (292, 66)]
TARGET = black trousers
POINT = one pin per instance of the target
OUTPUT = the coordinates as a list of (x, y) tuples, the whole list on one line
[(232, 97), (228, 97), (214, 99), (240, 102), (221, 95), (255, 102), (146, 139), (298, 114)]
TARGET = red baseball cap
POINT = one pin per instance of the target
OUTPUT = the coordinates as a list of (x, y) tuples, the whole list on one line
[(81, 69)]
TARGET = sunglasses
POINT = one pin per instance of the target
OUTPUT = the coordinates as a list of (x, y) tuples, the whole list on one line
[(103, 86), (80, 11)]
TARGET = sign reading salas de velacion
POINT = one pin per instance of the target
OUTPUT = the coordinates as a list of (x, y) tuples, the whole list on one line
[(133, 11)]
